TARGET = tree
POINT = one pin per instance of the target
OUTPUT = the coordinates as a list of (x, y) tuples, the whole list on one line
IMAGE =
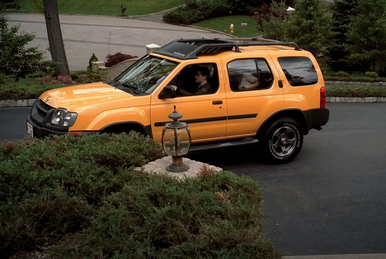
[(275, 26), (16, 59), (367, 33), (310, 26), (55, 37), (342, 11)]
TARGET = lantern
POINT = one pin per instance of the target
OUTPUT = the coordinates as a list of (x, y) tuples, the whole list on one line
[(176, 142)]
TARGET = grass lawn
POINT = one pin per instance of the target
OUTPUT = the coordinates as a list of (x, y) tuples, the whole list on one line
[(223, 23), (104, 7)]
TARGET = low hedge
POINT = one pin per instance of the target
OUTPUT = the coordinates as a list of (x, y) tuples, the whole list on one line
[(79, 197), (354, 78), (356, 91)]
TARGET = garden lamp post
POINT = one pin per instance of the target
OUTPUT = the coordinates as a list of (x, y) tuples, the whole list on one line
[(176, 142)]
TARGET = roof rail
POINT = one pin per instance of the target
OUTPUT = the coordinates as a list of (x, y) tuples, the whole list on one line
[(191, 48)]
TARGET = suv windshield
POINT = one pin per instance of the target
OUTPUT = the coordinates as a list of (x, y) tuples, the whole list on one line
[(146, 74)]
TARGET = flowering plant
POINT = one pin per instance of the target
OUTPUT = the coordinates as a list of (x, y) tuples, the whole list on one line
[(60, 80)]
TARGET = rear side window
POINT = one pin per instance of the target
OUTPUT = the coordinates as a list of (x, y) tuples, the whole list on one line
[(299, 71), (249, 74)]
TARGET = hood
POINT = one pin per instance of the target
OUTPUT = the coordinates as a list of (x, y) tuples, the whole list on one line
[(84, 95)]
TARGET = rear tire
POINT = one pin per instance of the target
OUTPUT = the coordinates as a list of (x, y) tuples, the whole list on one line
[(282, 141)]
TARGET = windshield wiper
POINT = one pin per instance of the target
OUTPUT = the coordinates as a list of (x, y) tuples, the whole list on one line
[(128, 87), (132, 88)]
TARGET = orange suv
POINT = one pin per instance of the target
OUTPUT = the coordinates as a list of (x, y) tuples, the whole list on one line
[(229, 91)]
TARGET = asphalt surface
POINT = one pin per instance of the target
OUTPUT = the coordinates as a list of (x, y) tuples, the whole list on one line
[(85, 35), (331, 198)]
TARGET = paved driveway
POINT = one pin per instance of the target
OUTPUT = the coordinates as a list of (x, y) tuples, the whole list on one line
[(331, 198), (85, 35)]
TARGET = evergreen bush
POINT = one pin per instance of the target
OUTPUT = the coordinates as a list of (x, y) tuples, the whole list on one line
[(371, 74), (93, 58), (342, 74), (16, 59), (79, 197), (196, 11)]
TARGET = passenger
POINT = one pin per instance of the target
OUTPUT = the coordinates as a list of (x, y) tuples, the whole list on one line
[(248, 82)]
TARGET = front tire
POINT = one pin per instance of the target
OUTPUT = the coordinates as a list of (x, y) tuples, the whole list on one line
[(282, 141)]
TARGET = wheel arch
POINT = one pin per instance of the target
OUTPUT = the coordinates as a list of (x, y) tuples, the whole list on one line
[(295, 114), (126, 127)]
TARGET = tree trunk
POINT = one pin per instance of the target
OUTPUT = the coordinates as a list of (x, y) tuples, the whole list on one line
[(55, 39)]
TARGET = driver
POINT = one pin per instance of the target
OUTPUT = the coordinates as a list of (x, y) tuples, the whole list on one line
[(203, 87)]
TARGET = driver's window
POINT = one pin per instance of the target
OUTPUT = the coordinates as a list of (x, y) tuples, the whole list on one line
[(198, 79)]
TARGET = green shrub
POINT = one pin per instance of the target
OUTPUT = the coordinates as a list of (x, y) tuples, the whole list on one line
[(93, 58), (5, 79), (371, 74), (74, 75), (356, 91), (78, 197), (96, 76), (342, 74), (10, 5), (51, 188), (15, 58), (161, 217), (196, 11)]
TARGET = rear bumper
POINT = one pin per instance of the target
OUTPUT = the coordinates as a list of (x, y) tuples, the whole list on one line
[(316, 118)]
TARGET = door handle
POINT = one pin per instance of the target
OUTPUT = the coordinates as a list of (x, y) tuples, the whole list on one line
[(280, 84), (217, 102)]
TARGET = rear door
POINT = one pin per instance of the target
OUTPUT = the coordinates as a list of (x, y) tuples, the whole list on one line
[(249, 107)]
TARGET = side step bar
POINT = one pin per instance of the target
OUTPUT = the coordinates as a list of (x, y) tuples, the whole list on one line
[(245, 141)]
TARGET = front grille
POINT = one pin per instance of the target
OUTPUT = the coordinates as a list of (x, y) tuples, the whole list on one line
[(43, 108)]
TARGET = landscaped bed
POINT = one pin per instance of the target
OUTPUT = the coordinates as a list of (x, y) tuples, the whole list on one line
[(79, 197)]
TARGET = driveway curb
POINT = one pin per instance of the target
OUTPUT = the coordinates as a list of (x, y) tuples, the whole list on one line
[(17, 103), (29, 102)]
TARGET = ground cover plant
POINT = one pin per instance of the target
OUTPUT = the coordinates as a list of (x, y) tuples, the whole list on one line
[(31, 87), (103, 7), (34, 85), (79, 197)]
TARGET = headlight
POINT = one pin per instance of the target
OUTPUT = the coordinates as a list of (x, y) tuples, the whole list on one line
[(61, 117)]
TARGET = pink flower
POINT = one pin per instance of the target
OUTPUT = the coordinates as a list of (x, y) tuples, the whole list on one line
[(42, 80)]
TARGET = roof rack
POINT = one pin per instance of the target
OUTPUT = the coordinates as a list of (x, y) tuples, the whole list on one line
[(192, 48)]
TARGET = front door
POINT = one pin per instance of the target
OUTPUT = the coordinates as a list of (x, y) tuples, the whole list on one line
[(204, 112)]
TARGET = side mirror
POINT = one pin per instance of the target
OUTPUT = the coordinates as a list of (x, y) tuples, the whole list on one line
[(167, 93)]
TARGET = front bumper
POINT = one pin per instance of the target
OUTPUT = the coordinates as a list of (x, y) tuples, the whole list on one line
[(38, 121), (35, 130)]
